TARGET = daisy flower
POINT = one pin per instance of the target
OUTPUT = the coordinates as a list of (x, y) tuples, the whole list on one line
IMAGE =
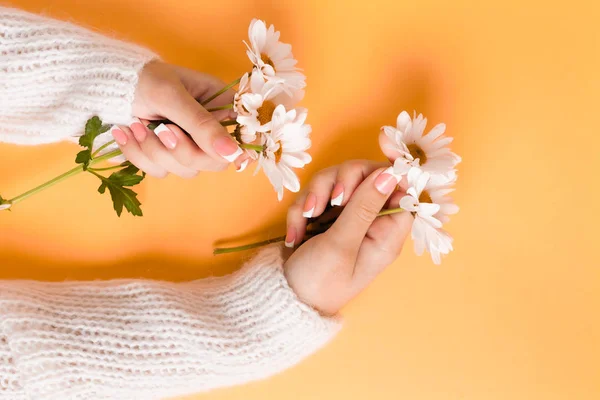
[(257, 105), (427, 198), (272, 58), (429, 152), (285, 148)]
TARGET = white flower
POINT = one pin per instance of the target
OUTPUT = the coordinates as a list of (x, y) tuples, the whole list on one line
[(258, 105), (272, 58), (285, 148), (429, 152), (427, 197)]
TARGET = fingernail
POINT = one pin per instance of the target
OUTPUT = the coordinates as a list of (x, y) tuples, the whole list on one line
[(243, 165), (138, 129), (386, 182), (119, 136), (227, 148), (309, 205), (290, 237), (166, 136), (337, 196)]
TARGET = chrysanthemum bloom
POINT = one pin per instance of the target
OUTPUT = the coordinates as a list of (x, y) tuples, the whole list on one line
[(285, 148), (272, 58), (427, 198), (259, 103), (429, 152)]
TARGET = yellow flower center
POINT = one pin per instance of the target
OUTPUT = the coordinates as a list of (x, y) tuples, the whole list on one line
[(425, 197), (278, 152), (417, 152), (267, 60), (265, 112)]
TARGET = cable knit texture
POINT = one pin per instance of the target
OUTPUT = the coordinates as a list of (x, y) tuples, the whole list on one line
[(137, 339), (54, 76)]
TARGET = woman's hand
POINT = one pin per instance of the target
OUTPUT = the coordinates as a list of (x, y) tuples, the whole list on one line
[(330, 269), (169, 92)]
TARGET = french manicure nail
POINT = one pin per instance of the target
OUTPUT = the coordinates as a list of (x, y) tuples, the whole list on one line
[(337, 201), (309, 213), (119, 135), (243, 165), (138, 129), (166, 136), (309, 205), (337, 195), (227, 148), (290, 238), (386, 182)]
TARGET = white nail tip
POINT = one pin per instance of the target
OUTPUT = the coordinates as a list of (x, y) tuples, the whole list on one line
[(309, 213), (135, 120), (289, 245), (243, 166), (232, 157), (337, 201), (6, 206), (160, 129)]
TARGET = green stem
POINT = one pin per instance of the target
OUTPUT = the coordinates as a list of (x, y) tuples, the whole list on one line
[(106, 169), (220, 92), (224, 250), (105, 145), (62, 177), (225, 107), (256, 147), (320, 229), (390, 211), (229, 123)]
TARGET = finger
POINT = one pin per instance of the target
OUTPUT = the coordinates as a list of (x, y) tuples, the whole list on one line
[(349, 176), (242, 162), (306, 205), (132, 151), (156, 150), (183, 109), (185, 151), (201, 86), (383, 245), (351, 227)]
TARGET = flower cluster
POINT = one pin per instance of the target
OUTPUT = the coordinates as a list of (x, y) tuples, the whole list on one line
[(267, 112), (429, 167)]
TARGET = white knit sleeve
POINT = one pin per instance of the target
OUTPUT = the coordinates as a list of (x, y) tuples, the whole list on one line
[(140, 339), (54, 76)]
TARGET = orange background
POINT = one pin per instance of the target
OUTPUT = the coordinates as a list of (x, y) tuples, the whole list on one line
[(513, 313)]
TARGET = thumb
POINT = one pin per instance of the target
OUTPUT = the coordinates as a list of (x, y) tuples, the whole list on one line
[(205, 129), (367, 201)]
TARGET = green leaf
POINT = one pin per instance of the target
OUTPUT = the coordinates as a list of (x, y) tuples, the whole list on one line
[(120, 194), (84, 157), (127, 176), (93, 128)]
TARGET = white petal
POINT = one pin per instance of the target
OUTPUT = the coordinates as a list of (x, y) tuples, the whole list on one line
[(428, 208), (402, 121), (436, 132), (409, 203)]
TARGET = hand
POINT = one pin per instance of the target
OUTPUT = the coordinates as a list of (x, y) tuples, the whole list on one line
[(330, 269), (169, 92)]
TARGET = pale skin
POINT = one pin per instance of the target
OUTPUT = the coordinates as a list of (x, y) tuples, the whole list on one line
[(171, 92), (328, 270)]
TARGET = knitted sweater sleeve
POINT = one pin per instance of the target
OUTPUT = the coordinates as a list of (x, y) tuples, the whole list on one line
[(138, 339), (55, 75)]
